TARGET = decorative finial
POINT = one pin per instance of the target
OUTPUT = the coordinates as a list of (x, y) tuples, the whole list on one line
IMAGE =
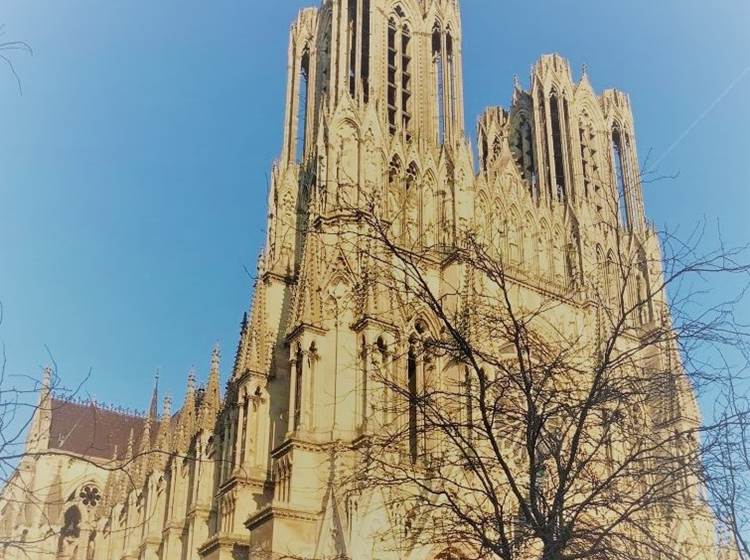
[(516, 81), (584, 69)]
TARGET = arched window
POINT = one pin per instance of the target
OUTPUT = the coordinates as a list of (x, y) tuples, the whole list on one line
[(557, 147), (544, 158), (352, 37), (302, 94), (359, 48), (392, 76), (451, 76), (399, 73), (298, 387), (411, 374), (439, 73), (620, 170)]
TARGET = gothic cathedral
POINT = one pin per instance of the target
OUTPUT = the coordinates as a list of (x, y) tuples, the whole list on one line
[(374, 125)]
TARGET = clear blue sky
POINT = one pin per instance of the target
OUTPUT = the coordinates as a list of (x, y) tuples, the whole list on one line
[(133, 169)]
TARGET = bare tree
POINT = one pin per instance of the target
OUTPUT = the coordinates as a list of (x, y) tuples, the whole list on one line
[(7, 50), (556, 419)]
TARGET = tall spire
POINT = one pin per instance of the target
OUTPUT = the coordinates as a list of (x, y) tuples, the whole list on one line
[(153, 409)]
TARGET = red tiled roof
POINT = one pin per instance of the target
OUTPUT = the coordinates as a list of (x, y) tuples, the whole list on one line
[(86, 429)]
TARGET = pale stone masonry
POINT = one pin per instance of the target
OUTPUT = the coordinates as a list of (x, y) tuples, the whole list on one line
[(374, 112)]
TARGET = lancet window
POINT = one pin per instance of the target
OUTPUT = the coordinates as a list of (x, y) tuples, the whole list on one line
[(439, 76), (451, 76), (359, 48), (620, 175), (556, 121), (399, 74)]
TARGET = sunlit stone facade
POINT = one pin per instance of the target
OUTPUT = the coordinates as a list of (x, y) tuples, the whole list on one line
[(374, 115)]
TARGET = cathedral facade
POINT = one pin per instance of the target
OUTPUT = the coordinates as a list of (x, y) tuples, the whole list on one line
[(374, 124)]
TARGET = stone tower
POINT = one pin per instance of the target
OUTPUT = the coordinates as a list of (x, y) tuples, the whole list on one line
[(374, 101)]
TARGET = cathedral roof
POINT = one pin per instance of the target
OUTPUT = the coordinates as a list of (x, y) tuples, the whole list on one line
[(87, 429)]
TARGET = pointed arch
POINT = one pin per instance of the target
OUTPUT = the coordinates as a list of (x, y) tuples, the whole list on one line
[(558, 115), (399, 70), (438, 74)]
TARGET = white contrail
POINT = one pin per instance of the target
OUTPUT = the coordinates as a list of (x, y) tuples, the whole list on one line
[(703, 115)]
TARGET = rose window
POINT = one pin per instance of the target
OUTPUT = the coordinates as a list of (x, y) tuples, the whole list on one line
[(90, 496)]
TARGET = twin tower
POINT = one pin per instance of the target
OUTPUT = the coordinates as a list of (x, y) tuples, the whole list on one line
[(375, 117)]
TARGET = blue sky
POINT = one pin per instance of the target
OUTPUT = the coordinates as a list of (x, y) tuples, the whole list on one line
[(133, 169)]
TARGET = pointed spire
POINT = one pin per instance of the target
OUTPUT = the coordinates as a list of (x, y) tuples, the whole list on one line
[(307, 302), (212, 398), (242, 348), (153, 409), (186, 428)]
